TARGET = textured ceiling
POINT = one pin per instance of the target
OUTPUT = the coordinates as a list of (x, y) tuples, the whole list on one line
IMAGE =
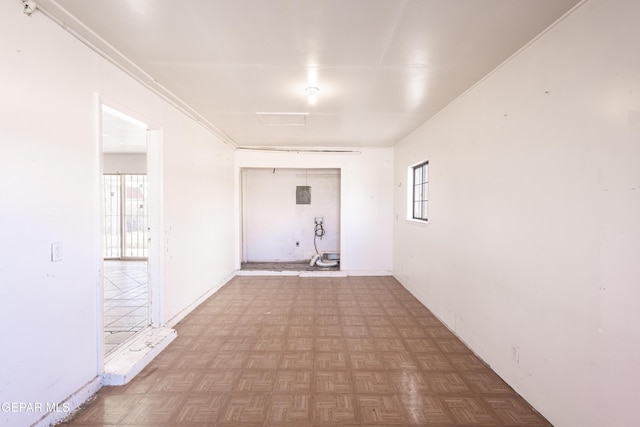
[(383, 67)]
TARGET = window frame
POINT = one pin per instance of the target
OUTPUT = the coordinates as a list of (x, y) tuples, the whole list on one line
[(419, 197)]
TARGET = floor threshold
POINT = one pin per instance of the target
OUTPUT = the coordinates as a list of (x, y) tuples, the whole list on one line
[(124, 363)]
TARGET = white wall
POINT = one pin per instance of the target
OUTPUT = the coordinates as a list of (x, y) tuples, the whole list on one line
[(200, 241), (366, 180), (49, 178), (124, 163), (273, 222), (534, 232)]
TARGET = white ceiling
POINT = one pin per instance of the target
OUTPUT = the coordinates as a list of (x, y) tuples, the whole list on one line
[(122, 133), (383, 67)]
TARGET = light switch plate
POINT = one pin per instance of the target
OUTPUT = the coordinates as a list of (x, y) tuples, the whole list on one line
[(56, 251)]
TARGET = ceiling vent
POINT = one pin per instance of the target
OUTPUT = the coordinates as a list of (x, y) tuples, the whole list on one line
[(283, 119)]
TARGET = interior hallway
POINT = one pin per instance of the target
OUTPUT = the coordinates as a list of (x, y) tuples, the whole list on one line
[(286, 350)]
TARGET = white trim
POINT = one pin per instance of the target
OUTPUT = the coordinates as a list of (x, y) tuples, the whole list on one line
[(369, 272), (419, 222), (73, 402), (266, 273), (130, 358), (155, 259), (100, 240), (187, 310), (323, 274)]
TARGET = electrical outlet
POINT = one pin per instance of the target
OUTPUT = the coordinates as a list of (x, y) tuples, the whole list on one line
[(318, 220), (515, 353), (56, 252)]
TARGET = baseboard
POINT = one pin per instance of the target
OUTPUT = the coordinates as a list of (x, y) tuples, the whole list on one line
[(323, 274), (318, 273), (187, 310), (368, 272), (266, 273), (71, 404)]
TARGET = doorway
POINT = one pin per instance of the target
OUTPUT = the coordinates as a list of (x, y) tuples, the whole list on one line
[(125, 231), (281, 208)]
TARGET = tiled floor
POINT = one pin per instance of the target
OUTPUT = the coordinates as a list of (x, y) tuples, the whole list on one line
[(294, 351), (125, 301)]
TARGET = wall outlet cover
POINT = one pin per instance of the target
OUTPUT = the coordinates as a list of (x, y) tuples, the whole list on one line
[(515, 353)]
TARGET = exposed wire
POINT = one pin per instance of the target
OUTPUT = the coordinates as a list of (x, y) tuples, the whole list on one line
[(318, 232)]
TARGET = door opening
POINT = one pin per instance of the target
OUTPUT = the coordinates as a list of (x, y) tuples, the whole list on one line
[(282, 210), (125, 234)]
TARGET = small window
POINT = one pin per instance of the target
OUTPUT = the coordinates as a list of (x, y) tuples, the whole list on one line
[(420, 191)]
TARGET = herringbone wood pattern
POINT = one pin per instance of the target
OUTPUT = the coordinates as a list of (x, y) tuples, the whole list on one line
[(290, 351)]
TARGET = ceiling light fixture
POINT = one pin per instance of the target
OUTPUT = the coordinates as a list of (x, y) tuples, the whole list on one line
[(312, 94)]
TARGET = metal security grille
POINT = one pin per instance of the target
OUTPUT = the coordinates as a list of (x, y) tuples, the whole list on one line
[(112, 190), (125, 216), (420, 190)]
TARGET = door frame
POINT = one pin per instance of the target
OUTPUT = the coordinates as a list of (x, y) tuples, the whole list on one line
[(241, 174), (155, 259)]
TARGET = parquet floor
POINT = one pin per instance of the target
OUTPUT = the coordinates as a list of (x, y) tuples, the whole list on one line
[(292, 351)]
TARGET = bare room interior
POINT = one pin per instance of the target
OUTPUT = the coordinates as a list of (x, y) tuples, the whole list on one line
[(311, 213)]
